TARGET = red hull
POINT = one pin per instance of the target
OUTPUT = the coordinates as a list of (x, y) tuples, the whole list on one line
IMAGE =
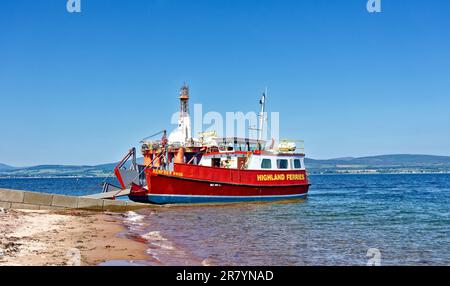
[(177, 186), (190, 184)]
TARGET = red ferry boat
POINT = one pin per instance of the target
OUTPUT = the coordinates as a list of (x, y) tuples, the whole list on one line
[(181, 169)]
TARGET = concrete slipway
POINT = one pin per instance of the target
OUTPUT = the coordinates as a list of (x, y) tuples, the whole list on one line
[(14, 199)]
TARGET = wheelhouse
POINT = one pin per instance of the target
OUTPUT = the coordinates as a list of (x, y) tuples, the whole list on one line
[(249, 154)]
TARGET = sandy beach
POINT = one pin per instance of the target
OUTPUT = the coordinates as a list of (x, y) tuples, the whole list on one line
[(64, 237)]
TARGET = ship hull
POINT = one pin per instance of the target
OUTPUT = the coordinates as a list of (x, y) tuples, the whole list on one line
[(174, 190)]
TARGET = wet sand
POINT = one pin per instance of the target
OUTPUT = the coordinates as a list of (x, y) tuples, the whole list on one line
[(64, 238)]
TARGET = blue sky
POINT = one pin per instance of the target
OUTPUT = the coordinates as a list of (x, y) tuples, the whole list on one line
[(83, 88)]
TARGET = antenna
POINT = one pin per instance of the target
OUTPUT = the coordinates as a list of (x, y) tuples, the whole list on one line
[(262, 102)]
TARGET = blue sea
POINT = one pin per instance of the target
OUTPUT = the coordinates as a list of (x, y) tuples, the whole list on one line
[(404, 219)]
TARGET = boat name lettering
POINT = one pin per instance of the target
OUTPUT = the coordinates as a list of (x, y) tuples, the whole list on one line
[(280, 177), (168, 173)]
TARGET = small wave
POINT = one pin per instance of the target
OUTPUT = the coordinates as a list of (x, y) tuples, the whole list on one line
[(134, 221), (133, 217), (155, 238)]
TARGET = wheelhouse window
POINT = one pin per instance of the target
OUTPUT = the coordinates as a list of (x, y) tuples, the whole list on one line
[(215, 162), (226, 147), (297, 164), (266, 164), (252, 147), (282, 164)]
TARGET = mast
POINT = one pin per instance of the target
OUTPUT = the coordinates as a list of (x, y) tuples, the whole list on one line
[(262, 102), (184, 120), (182, 134)]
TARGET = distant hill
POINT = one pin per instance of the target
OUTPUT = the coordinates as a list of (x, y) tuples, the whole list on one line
[(56, 171), (63, 171), (399, 163), (402, 163), (4, 167)]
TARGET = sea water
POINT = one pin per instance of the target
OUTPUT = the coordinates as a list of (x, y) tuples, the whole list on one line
[(405, 219)]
